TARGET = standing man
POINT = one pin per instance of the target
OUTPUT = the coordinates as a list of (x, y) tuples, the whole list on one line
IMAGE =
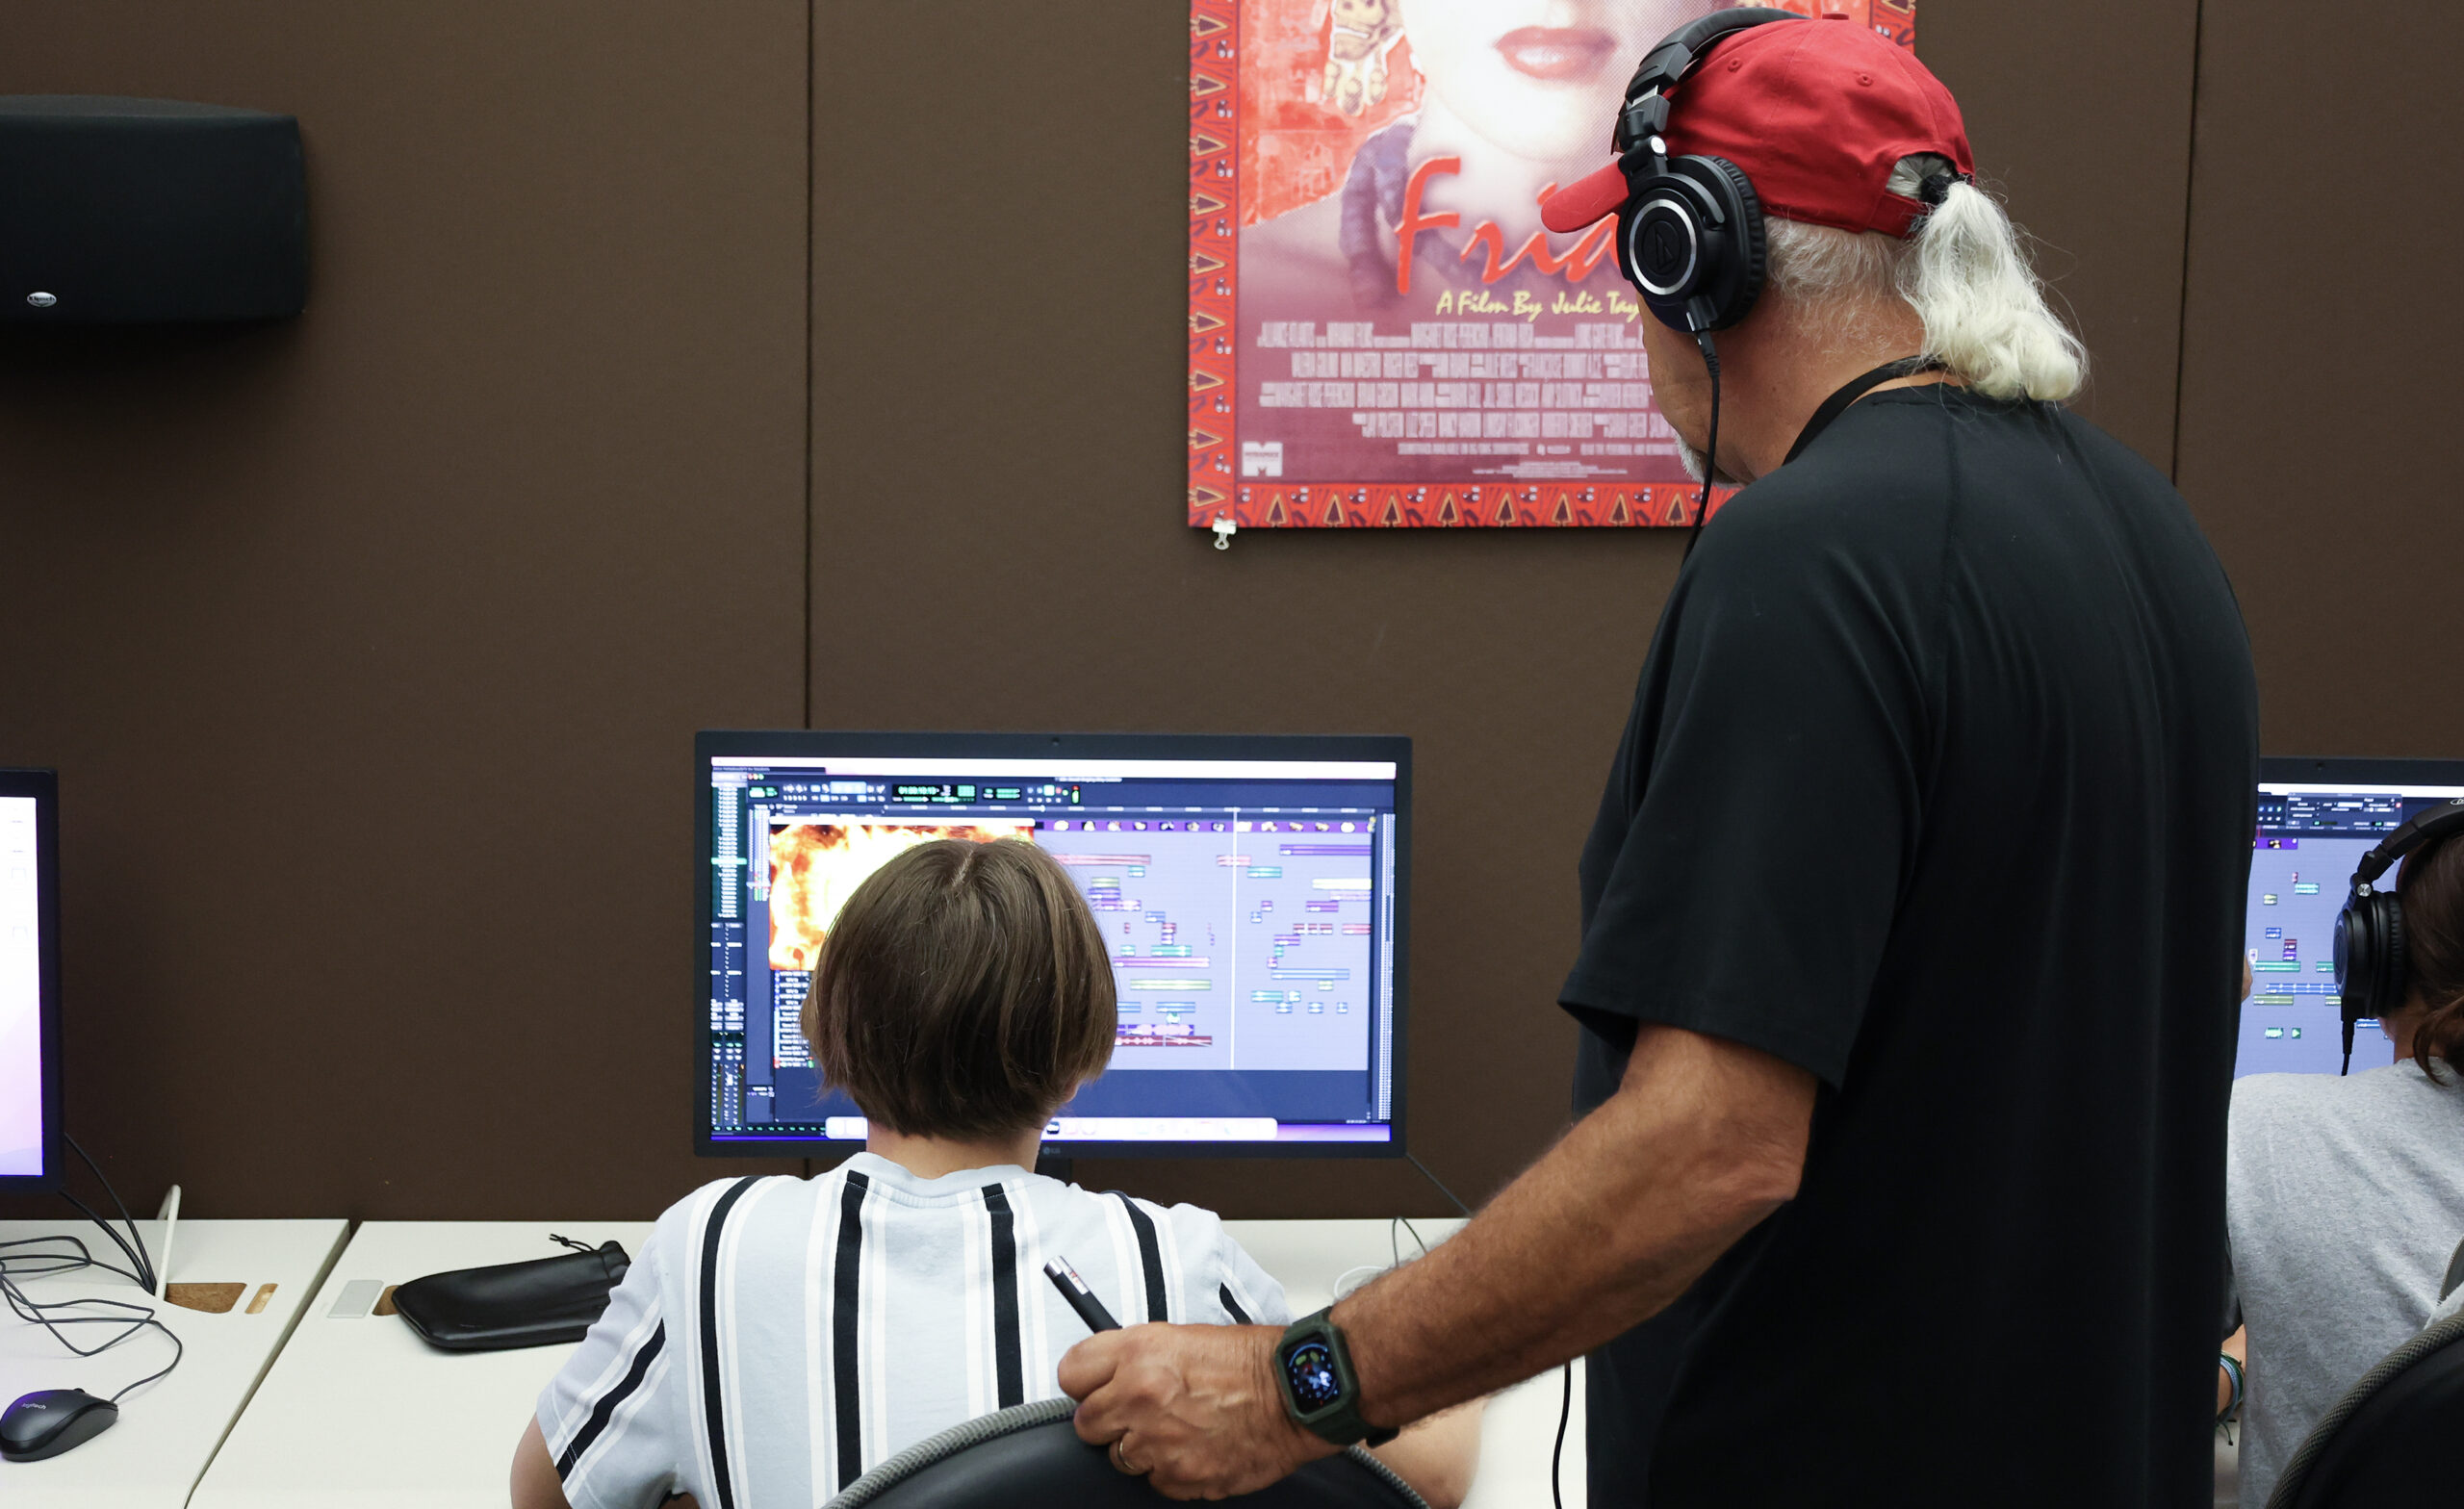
[(1910, 918)]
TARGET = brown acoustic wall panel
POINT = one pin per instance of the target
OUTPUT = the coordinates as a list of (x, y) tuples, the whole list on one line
[(370, 645), (998, 423), (2320, 443), (2080, 114), (998, 408), (315, 617)]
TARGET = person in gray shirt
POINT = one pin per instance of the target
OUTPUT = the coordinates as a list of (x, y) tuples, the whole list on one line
[(2344, 1197)]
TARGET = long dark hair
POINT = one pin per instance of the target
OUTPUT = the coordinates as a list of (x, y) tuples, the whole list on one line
[(2432, 889)]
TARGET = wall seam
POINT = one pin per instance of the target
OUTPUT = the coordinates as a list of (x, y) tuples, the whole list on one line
[(813, 164), (2182, 299)]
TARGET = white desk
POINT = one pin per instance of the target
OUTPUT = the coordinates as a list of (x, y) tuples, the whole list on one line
[(169, 1430), (1519, 1426), (358, 1410)]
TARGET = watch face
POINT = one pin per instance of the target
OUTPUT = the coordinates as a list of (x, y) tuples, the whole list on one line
[(1310, 1367)]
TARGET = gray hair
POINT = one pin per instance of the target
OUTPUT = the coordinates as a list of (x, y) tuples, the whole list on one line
[(1962, 270)]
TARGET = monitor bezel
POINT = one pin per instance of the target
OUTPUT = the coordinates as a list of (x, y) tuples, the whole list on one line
[(43, 786), (739, 743), (2360, 770)]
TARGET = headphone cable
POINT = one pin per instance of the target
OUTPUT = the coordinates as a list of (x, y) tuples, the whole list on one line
[(1711, 446)]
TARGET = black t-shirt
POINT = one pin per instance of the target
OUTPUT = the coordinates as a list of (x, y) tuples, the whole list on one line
[(1940, 784)]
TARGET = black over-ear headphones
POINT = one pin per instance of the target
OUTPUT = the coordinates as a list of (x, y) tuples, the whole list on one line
[(2369, 931), (1689, 235)]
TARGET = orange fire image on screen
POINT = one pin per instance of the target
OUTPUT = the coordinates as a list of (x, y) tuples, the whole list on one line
[(814, 867)]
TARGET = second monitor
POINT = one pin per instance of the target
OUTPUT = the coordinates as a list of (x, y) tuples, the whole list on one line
[(2317, 819), (1251, 890)]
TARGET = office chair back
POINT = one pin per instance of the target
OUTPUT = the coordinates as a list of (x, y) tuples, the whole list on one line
[(2368, 1452), (1030, 1455)]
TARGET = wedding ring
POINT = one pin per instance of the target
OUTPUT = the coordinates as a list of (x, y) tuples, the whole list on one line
[(1123, 1462)]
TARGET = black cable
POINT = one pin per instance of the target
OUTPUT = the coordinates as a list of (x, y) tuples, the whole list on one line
[(40, 1311), (1711, 449), (140, 1271), (1565, 1405), (84, 1259), (1558, 1452), (2348, 1068), (63, 1263), (1393, 1238), (1441, 1189), (141, 1258)]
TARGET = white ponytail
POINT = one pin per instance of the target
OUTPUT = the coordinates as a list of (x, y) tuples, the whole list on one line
[(1963, 272)]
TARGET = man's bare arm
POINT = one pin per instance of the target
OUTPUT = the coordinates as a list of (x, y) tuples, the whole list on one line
[(1703, 1139)]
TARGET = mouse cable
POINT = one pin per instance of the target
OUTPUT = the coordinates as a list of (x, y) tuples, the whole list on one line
[(15, 1264), (138, 1258), (38, 1313)]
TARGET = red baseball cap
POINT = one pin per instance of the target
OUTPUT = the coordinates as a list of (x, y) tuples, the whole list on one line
[(1817, 115)]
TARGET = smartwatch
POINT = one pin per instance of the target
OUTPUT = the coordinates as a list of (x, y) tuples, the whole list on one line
[(1321, 1392)]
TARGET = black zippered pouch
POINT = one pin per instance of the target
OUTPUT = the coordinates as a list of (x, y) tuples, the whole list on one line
[(507, 1305)]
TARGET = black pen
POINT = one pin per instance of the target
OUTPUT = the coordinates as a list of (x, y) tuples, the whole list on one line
[(1082, 1299)]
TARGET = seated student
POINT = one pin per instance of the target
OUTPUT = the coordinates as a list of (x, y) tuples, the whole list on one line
[(783, 1334), (2344, 1197)]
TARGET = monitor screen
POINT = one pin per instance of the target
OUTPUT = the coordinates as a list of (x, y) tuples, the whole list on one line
[(2317, 818), (29, 1133), (1253, 892)]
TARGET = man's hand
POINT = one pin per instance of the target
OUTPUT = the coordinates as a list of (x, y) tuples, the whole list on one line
[(1194, 1407)]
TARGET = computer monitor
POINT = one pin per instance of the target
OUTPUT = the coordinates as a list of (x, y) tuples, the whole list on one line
[(31, 1139), (1254, 892), (2317, 818)]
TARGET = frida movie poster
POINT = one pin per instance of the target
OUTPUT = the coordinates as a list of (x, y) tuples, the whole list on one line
[(1381, 333)]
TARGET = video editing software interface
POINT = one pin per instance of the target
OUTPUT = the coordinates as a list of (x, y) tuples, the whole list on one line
[(2311, 834), (1250, 905)]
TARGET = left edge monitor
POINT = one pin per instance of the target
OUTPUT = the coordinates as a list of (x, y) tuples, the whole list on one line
[(32, 1139), (1254, 892)]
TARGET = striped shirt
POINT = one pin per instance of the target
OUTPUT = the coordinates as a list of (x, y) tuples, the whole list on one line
[(780, 1336)]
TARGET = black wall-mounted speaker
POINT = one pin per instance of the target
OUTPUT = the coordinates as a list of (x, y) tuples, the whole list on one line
[(148, 210)]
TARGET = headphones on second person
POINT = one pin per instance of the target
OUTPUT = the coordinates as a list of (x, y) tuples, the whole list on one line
[(2370, 966), (1689, 235)]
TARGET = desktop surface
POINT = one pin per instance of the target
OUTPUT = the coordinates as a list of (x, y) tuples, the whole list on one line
[(358, 1411), (2317, 819), (169, 1429), (1251, 892)]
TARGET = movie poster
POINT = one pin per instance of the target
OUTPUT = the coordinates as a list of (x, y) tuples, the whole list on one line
[(1381, 333)]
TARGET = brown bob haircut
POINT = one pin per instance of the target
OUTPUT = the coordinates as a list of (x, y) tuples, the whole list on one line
[(964, 991)]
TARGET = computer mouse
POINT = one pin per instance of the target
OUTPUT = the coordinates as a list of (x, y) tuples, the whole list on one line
[(49, 1422)]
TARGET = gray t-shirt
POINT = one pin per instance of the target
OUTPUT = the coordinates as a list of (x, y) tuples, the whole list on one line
[(2344, 1201)]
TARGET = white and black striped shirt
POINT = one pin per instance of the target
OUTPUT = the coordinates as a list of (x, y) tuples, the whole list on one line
[(780, 1336)]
